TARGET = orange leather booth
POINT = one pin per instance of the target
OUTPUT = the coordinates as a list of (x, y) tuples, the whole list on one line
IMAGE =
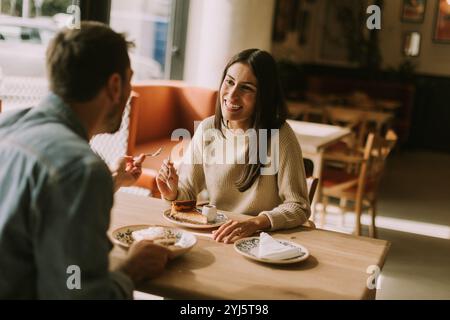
[(157, 109)]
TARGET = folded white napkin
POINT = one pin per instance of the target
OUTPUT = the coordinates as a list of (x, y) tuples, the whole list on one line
[(269, 248), (150, 233)]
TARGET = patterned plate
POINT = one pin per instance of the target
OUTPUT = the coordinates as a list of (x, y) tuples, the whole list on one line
[(185, 240), (220, 220), (248, 248)]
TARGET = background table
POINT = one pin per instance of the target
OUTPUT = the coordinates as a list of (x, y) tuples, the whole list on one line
[(314, 138)]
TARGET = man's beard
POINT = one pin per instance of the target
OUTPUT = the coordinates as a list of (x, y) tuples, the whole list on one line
[(115, 118)]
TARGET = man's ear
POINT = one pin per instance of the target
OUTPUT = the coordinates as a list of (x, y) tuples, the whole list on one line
[(114, 87)]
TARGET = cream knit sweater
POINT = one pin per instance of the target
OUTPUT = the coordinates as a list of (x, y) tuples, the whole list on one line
[(282, 196)]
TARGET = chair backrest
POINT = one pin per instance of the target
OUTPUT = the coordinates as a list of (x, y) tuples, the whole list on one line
[(155, 112), (304, 111), (352, 119), (309, 167), (381, 149), (361, 100), (195, 104), (364, 168), (376, 152), (164, 106), (342, 116), (312, 183)]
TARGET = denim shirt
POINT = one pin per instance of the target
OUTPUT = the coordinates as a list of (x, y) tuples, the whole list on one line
[(56, 196)]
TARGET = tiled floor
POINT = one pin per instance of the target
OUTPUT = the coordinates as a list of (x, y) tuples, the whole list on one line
[(414, 215)]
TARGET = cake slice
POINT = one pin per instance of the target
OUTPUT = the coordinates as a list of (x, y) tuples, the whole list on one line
[(183, 205), (189, 216), (185, 211)]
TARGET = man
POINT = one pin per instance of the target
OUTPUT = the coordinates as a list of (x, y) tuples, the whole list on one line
[(56, 194)]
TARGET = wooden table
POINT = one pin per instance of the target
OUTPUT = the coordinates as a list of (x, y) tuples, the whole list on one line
[(304, 111), (378, 118), (336, 268), (314, 138)]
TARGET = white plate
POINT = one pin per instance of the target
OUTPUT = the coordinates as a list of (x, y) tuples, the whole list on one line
[(122, 237), (246, 246), (220, 220)]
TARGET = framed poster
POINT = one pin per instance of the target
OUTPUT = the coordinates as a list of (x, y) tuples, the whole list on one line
[(413, 10), (303, 27), (411, 44), (341, 20), (285, 19), (442, 22)]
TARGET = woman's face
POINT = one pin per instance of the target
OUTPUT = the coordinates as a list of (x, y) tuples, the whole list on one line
[(238, 96)]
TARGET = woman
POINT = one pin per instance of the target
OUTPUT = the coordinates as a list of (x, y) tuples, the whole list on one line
[(250, 98)]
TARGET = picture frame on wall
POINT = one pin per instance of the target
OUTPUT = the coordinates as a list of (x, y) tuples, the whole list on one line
[(441, 32), (303, 27), (340, 19), (411, 44), (285, 19), (413, 11)]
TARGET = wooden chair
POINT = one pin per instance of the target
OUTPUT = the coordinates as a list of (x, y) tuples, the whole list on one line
[(361, 100), (349, 145), (361, 188), (312, 183), (304, 111), (351, 119)]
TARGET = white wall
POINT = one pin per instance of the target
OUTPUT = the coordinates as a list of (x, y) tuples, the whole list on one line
[(218, 29), (434, 57)]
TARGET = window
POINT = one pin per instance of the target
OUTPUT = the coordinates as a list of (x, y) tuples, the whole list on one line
[(26, 28), (151, 25), (146, 23)]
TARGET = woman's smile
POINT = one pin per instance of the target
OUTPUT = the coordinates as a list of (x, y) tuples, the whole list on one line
[(230, 107), (238, 96)]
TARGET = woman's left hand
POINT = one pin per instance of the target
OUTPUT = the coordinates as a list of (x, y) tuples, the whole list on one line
[(233, 230)]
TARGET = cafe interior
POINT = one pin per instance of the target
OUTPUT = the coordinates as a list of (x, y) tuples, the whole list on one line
[(367, 89)]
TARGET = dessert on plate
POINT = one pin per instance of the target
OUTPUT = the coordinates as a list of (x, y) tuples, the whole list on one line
[(185, 211), (158, 235)]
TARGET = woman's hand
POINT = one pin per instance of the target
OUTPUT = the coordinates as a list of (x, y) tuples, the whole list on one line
[(233, 230), (127, 171), (167, 180)]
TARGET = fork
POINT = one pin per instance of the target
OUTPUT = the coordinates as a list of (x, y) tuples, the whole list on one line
[(154, 154)]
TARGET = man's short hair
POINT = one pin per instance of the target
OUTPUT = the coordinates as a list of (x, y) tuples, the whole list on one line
[(80, 61)]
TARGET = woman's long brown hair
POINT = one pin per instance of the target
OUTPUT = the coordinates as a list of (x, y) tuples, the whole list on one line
[(270, 109)]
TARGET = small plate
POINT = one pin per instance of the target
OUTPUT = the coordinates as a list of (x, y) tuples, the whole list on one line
[(247, 246), (220, 220), (122, 237)]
